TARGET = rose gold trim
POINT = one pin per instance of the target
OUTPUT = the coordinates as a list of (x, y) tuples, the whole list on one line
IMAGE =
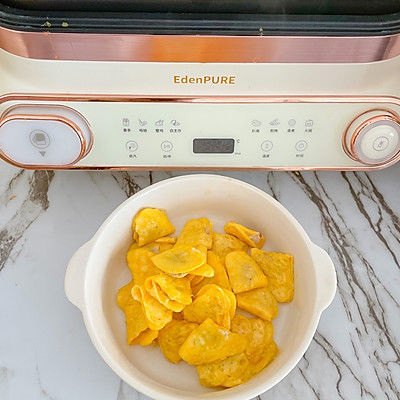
[(199, 48), (214, 99), (88, 145), (132, 98), (44, 117)]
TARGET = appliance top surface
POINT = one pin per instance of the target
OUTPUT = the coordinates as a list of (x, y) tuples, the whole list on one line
[(305, 7), (208, 17)]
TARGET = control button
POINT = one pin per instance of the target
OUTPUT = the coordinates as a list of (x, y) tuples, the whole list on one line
[(32, 141), (267, 145), (301, 145), (167, 146), (274, 122), (309, 123), (131, 146), (46, 136), (39, 139), (292, 122), (381, 143), (377, 142), (256, 122), (373, 137)]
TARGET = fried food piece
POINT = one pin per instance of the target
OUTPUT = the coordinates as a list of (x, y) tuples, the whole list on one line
[(247, 235), (223, 244), (196, 232), (155, 247), (171, 338), (259, 302), (173, 293), (137, 330), (210, 342), (151, 224), (179, 260), (267, 356), (244, 273), (166, 240), (231, 371), (212, 302), (259, 333), (278, 267), (194, 280), (157, 315), (140, 264), (220, 277)]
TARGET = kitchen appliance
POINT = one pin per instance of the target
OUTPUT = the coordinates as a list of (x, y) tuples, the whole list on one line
[(200, 84), (98, 269)]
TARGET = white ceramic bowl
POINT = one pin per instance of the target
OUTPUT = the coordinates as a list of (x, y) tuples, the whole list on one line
[(98, 269)]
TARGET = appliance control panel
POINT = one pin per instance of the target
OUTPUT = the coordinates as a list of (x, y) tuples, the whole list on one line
[(145, 134)]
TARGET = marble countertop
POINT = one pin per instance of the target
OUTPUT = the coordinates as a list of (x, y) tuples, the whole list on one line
[(45, 352)]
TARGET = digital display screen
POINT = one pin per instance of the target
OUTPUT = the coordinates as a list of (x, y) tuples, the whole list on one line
[(213, 146)]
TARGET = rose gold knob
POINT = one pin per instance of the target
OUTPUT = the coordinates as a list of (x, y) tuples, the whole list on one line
[(373, 137)]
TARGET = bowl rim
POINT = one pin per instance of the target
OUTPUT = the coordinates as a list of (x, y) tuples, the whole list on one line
[(168, 394)]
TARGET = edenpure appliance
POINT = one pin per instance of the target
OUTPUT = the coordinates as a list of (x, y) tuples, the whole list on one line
[(200, 84)]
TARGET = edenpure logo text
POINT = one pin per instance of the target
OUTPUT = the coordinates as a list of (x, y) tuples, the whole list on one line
[(205, 80)]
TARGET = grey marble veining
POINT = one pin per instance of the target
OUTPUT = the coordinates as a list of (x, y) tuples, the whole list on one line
[(45, 352)]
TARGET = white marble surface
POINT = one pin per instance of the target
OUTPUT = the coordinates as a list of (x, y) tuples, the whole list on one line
[(45, 352)]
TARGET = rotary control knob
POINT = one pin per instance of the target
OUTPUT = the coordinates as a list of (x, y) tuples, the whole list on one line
[(44, 136), (373, 137)]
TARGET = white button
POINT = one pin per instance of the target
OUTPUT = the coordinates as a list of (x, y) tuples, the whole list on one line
[(131, 146), (378, 142), (267, 145), (166, 146), (301, 145), (39, 142)]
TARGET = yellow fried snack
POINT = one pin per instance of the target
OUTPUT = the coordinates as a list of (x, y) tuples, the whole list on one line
[(196, 232), (157, 315), (268, 354), (146, 338), (166, 240), (220, 277), (171, 338), (194, 280), (210, 342), (140, 264), (228, 373), (223, 244), (156, 247), (136, 324), (259, 302), (259, 333), (247, 235), (212, 302), (178, 316), (150, 224), (244, 273), (205, 271), (179, 260), (173, 293), (278, 267)]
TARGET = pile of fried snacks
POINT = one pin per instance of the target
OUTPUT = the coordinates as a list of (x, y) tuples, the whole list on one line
[(185, 292)]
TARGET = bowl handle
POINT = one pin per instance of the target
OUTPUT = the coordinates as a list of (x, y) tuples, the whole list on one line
[(75, 275), (326, 277)]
